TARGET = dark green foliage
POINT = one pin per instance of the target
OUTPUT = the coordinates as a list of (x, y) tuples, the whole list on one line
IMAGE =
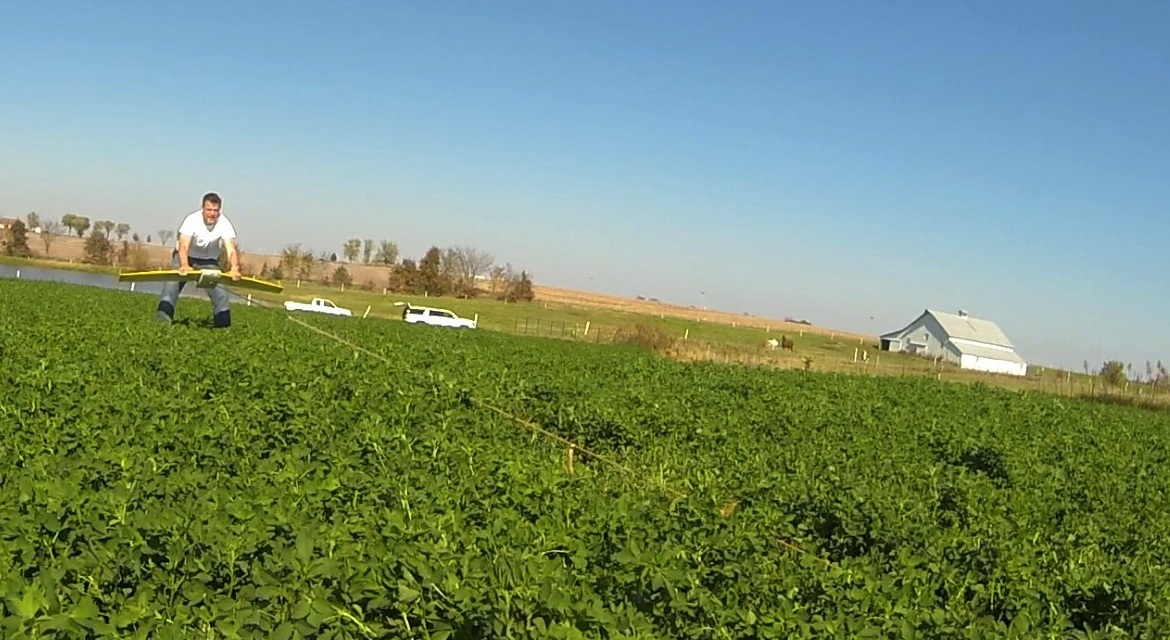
[(16, 240), (175, 482), (98, 249)]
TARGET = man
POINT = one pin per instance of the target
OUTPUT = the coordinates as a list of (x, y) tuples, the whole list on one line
[(200, 236)]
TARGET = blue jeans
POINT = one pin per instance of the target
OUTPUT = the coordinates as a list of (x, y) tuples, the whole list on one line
[(170, 294)]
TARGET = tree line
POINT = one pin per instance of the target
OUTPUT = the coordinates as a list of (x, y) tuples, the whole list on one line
[(101, 245), (1117, 373), (458, 271)]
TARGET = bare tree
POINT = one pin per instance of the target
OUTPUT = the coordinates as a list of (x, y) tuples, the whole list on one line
[(367, 251), (463, 264), (49, 231), (498, 277), (165, 235), (319, 271)]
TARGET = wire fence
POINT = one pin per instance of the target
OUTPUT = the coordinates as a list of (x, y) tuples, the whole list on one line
[(564, 329)]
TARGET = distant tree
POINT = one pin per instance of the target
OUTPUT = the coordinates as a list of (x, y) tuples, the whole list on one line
[(319, 272), (122, 229), (405, 278), (274, 273), (511, 287), (352, 249), (32, 219), (98, 249), (296, 262), (16, 242), (75, 223), (387, 253), (462, 264), (1161, 376), (1113, 373), (106, 227), (520, 289), (367, 250), (432, 279), (341, 276), (498, 278), (135, 237), (49, 232)]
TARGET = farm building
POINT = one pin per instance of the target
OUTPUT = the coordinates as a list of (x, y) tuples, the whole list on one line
[(971, 343)]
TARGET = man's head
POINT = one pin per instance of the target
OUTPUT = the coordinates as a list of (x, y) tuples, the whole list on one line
[(211, 204)]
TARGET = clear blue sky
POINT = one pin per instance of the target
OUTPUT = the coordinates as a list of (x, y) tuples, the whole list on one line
[(850, 163)]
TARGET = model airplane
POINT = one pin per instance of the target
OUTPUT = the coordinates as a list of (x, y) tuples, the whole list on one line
[(203, 279)]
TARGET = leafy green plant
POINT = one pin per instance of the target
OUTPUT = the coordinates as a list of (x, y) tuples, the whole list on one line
[(174, 481)]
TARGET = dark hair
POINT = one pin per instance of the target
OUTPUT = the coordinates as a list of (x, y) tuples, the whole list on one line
[(213, 198)]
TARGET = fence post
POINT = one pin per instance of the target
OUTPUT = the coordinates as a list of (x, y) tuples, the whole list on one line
[(586, 328)]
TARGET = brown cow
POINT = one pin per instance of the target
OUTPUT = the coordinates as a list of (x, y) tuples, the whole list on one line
[(787, 344)]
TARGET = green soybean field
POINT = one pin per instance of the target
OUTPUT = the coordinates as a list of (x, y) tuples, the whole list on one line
[(320, 477)]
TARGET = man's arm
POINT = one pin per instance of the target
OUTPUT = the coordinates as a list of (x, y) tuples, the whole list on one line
[(184, 249), (233, 250), (233, 255)]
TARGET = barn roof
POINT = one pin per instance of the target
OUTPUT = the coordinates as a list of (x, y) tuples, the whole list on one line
[(967, 328)]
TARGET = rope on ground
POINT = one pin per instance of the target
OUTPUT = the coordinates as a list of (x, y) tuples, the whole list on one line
[(527, 424)]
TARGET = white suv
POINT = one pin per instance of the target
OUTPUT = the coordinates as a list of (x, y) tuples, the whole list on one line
[(436, 317)]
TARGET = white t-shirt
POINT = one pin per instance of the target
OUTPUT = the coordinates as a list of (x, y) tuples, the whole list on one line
[(205, 242)]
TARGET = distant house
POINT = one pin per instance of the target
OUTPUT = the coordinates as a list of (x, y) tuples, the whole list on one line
[(971, 343)]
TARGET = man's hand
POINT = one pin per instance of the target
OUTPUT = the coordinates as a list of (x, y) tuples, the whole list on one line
[(234, 273), (183, 269)]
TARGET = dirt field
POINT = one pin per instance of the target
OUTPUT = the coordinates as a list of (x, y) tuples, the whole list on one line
[(649, 307), (373, 276)]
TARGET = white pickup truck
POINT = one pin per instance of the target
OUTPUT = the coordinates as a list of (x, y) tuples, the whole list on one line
[(435, 317), (318, 305)]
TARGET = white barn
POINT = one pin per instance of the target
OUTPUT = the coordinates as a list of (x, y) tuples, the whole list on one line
[(969, 342)]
